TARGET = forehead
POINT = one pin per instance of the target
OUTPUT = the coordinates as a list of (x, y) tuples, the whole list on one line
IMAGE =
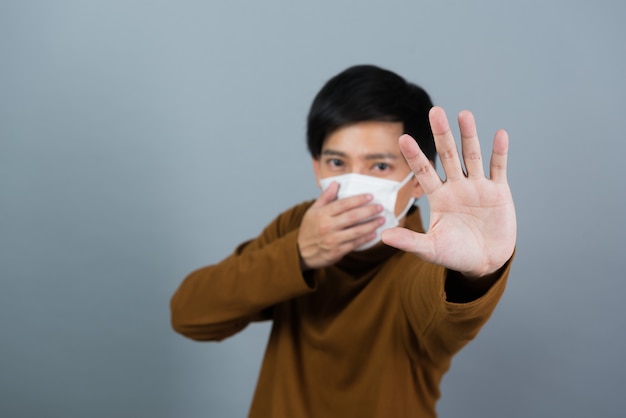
[(365, 138)]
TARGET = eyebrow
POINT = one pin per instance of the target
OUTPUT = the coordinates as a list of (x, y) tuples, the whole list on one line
[(376, 156)]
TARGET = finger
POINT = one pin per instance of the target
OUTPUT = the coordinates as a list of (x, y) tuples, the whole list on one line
[(356, 243), (339, 206), (409, 241), (361, 233), (499, 156), (328, 195), (444, 142), (358, 216), (420, 165), (472, 156)]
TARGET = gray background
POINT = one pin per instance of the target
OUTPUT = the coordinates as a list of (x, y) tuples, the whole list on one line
[(140, 140)]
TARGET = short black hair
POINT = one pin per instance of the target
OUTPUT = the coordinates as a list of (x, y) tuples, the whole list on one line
[(369, 93)]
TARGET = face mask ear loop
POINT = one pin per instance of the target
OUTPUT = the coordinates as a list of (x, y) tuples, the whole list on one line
[(406, 180), (411, 201), (406, 209)]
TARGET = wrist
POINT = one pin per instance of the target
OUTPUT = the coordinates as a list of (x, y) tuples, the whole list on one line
[(462, 288)]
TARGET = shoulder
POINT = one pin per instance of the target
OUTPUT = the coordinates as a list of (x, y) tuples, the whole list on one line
[(291, 218), (286, 222)]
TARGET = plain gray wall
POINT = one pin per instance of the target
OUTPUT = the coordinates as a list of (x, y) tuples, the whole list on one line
[(140, 140)]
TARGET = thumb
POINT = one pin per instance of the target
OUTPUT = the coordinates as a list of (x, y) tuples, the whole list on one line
[(409, 241), (328, 195)]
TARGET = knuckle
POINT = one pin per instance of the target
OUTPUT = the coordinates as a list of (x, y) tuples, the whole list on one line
[(324, 227), (447, 154), (472, 156), (328, 244), (421, 169), (351, 202), (353, 217)]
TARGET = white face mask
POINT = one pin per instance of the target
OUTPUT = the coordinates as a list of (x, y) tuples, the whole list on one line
[(385, 193)]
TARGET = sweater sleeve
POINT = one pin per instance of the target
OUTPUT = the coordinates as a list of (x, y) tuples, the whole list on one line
[(444, 327), (217, 301)]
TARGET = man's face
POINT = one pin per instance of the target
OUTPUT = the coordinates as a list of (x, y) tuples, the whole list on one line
[(369, 148)]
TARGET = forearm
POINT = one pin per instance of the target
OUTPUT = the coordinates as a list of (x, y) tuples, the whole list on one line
[(442, 323), (461, 288), (217, 301)]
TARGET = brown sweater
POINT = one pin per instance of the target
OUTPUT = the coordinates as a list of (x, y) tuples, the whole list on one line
[(370, 336)]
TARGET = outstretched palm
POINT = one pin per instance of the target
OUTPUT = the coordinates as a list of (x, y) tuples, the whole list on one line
[(472, 217)]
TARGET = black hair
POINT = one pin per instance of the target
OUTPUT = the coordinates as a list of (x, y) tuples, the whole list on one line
[(369, 93)]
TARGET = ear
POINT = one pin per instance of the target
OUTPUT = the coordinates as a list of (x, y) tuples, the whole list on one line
[(316, 170)]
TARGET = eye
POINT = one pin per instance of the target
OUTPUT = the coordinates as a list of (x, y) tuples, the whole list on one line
[(335, 162), (381, 167)]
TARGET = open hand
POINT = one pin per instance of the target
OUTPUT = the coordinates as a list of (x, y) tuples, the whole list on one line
[(472, 217)]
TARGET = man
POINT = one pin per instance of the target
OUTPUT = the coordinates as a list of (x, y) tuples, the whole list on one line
[(367, 309)]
